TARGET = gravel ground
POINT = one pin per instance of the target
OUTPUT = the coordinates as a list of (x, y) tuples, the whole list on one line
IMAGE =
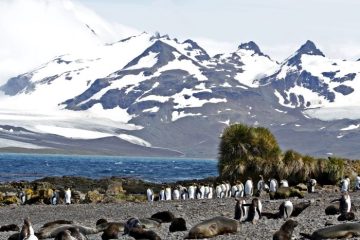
[(193, 211)]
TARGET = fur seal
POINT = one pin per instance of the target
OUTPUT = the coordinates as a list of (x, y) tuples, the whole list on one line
[(140, 234), (57, 222), (178, 224), (10, 227), (71, 234), (213, 227), (110, 229), (345, 230), (332, 210), (286, 230), (27, 231), (64, 235), (134, 229), (51, 230), (165, 216), (299, 208), (349, 216)]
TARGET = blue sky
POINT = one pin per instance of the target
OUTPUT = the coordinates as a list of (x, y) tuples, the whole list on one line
[(278, 26)]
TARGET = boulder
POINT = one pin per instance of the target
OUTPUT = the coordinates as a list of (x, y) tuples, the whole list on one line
[(94, 197)]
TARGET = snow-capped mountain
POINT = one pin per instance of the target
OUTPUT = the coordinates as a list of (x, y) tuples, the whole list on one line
[(152, 94), (308, 79)]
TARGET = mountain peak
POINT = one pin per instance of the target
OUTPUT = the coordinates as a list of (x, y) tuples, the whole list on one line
[(251, 46), (203, 55), (309, 48)]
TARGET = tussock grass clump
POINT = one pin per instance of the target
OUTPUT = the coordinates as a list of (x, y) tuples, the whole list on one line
[(252, 151)]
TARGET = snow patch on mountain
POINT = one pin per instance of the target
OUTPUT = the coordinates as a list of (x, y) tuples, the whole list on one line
[(134, 140), (176, 115), (350, 127)]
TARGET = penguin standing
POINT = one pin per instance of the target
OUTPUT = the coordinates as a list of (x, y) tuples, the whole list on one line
[(344, 185), (176, 194), (184, 193), (261, 184), (240, 187), (357, 183), (206, 191), (150, 195), (211, 192), (218, 191), (241, 211), (191, 191), (223, 190), (162, 194), (285, 210), (254, 211), (202, 192), (27, 231), (22, 197), (249, 188), (67, 196), (273, 185), (228, 190), (168, 193), (345, 203), (311, 185), (54, 198)]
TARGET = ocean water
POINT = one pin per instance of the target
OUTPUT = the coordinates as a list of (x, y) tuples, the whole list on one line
[(16, 167)]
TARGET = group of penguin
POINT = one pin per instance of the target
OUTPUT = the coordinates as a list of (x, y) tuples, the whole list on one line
[(223, 190), (54, 199), (244, 212)]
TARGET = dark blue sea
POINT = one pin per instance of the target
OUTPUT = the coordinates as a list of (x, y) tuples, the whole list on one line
[(16, 167)]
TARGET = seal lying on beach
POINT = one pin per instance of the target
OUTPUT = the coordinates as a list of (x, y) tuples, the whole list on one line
[(134, 229), (53, 229), (71, 234), (213, 227), (345, 230), (165, 216), (10, 227), (286, 230), (299, 208)]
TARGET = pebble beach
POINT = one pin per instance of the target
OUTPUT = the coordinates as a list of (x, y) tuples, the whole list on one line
[(193, 211)]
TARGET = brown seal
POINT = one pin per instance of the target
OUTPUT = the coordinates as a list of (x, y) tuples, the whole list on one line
[(286, 230), (10, 227), (213, 227), (178, 224), (345, 230)]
